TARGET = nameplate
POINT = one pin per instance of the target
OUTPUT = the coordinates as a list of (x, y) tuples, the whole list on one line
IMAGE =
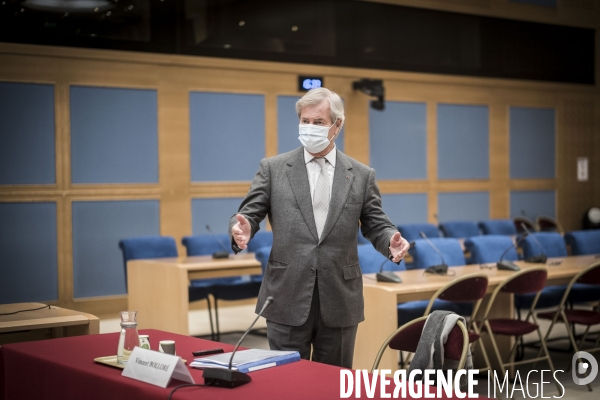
[(156, 368)]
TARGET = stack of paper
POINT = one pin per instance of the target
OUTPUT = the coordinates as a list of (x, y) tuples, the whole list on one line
[(248, 360)]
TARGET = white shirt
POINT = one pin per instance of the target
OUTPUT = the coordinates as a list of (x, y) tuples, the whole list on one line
[(313, 169)]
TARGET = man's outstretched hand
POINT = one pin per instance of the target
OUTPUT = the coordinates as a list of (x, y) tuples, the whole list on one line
[(241, 231), (398, 247)]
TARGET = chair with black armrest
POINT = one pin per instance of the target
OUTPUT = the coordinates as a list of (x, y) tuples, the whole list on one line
[(469, 288), (230, 288), (498, 227), (523, 222), (529, 281), (583, 243), (536, 247), (149, 247), (406, 338), (548, 224), (571, 317)]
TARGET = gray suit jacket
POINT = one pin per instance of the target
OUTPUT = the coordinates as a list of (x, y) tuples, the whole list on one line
[(281, 190)]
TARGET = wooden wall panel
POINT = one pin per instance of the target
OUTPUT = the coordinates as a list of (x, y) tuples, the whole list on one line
[(575, 139), (578, 115)]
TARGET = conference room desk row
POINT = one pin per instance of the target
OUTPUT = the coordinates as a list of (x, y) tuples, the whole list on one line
[(158, 291), (158, 288), (381, 301), (64, 369)]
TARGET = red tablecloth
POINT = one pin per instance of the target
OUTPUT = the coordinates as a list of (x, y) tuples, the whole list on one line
[(64, 369)]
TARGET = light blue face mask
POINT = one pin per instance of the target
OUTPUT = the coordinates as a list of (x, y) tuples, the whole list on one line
[(314, 137)]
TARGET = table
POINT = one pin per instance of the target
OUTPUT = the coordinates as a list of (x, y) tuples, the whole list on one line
[(44, 323), (381, 301), (64, 369), (158, 288)]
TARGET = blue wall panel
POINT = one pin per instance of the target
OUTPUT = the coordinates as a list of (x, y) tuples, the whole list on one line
[(114, 135), (27, 149), (28, 252), (463, 141), (545, 3), (471, 206), (97, 228), (216, 214), (405, 208), (398, 140), (227, 136), (532, 142), (287, 125), (533, 203)]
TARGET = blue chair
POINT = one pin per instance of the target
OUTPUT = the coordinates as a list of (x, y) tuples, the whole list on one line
[(370, 260), (583, 243), (489, 248), (262, 255), (163, 247), (425, 256), (498, 227), (460, 229), (552, 245), (260, 239), (234, 288), (361, 239), (412, 232)]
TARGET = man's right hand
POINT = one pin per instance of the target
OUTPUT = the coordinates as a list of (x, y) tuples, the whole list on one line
[(241, 231)]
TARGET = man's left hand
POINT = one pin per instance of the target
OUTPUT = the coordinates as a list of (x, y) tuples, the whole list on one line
[(398, 247)]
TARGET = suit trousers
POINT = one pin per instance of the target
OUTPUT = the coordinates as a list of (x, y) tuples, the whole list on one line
[(333, 346)]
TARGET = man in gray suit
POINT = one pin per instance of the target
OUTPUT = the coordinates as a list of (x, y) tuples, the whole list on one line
[(315, 197)]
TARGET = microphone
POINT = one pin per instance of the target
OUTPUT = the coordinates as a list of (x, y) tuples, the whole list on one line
[(228, 377), (539, 259), (218, 254), (389, 276), (507, 265), (439, 269)]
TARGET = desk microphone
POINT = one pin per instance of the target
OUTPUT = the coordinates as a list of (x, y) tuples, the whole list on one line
[(439, 269), (218, 254), (539, 259), (389, 276), (506, 265), (227, 377)]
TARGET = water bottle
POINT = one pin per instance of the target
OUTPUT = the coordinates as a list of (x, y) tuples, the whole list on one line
[(129, 337)]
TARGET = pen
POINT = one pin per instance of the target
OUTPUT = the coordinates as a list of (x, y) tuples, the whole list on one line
[(200, 353)]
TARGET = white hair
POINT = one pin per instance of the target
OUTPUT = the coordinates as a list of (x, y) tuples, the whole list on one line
[(316, 96)]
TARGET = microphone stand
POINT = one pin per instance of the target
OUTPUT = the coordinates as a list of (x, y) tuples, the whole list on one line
[(506, 264), (228, 377), (387, 276), (436, 269), (218, 254), (540, 258)]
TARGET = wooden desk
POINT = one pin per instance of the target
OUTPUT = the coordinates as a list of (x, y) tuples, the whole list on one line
[(46, 323), (158, 288), (381, 301)]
